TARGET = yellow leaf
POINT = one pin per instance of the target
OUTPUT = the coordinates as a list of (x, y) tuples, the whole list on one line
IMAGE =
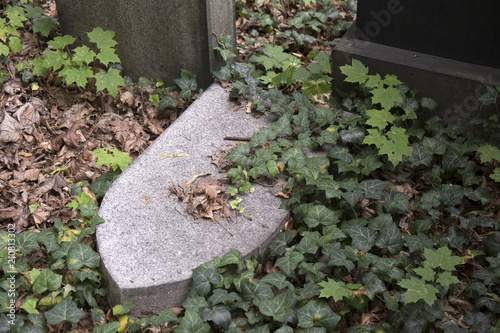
[(123, 320), (173, 155)]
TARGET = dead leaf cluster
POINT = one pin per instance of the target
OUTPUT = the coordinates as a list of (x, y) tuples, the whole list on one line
[(205, 200)]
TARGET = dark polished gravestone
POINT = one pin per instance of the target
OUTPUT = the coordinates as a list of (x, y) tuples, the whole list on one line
[(156, 39), (448, 50)]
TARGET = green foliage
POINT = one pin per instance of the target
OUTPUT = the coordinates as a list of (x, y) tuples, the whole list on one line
[(79, 65), (111, 157)]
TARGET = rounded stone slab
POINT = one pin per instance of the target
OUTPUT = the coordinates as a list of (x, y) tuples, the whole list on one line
[(148, 244)]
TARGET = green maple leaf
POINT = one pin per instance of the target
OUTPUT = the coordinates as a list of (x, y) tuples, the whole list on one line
[(336, 290), (319, 87), (418, 289), (391, 80), (83, 54), (109, 80), (44, 25), (375, 137), (55, 59), (15, 44), (78, 75), (386, 96), (379, 118), (489, 153), (373, 81), (61, 42), (108, 55), (274, 57), (446, 279), (441, 258), (356, 72), (496, 175), (426, 272), (111, 156), (103, 38), (4, 49)]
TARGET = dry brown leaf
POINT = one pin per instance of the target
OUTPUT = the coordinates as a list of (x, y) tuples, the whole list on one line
[(9, 129)]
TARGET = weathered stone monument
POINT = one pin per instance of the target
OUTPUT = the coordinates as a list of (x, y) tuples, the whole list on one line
[(447, 49), (156, 39), (148, 244)]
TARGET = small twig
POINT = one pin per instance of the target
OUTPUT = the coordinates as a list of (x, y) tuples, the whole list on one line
[(237, 138), (229, 232)]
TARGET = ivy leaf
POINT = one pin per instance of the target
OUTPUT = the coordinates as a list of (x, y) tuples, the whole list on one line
[(109, 80), (478, 321), (320, 214), (324, 116), (387, 97), (187, 85), (30, 305), (373, 285), (232, 257), (356, 72), (78, 75), (279, 307), (239, 155), (221, 296), (279, 244), (335, 289), (167, 101), (66, 310), (255, 290), (26, 241), (370, 163), (363, 238), (192, 323), (489, 153), (103, 38), (107, 328), (418, 242), (420, 156), (82, 255), (417, 289), (283, 125), (434, 146), (331, 187), (317, 312), (107, 55), (429, 103), (289, 261), (379, 118), (220, 315), (441, 258), (338, 258), (390, 238), (204, 278), (453, 159), (372, 188), (397, 202)]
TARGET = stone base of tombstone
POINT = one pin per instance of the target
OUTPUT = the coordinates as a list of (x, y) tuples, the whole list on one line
[(455, 85), (156, 39)]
